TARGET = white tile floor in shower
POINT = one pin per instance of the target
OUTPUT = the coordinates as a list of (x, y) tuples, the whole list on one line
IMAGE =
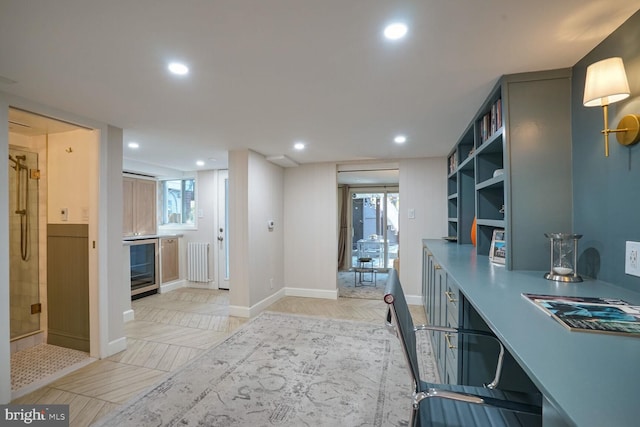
[(36, 366)]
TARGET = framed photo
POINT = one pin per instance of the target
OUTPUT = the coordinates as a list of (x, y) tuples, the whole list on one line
[(498, 251)]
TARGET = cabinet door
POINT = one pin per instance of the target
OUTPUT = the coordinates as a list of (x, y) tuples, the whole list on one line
[(145, 207), (127, 206), (169, 253)]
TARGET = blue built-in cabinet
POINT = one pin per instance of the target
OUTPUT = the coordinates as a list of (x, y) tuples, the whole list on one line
[(511, 168)]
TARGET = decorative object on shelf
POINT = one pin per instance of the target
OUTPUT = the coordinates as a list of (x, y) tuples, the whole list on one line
[(474, 224), (606, 83), (564, 257), (498, 251), (498, 172)]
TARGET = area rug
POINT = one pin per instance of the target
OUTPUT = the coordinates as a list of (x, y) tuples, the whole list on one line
[(285, 370), (349, 286)]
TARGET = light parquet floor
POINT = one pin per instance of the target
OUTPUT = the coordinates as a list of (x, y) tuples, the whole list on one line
[(169, 330)]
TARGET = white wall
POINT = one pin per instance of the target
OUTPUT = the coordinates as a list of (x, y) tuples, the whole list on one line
[(266, 247), (423, 189), (112, 292), (311, 241), (5, 334), (69, 164)]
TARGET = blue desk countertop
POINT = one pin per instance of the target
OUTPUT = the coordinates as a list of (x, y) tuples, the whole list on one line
[(592, 379)]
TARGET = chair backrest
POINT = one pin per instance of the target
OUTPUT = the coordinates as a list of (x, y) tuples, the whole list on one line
[(403, 323)]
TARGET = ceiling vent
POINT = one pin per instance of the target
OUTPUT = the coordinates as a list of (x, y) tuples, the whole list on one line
[(282, 160)]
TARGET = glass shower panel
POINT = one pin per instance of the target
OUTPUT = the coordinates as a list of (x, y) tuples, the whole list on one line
[(23, 243)]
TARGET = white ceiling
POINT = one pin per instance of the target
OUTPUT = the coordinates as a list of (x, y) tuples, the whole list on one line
[(267, 73)]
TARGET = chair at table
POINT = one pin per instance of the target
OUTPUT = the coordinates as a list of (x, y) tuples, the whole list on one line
[(441, 405), (364, 267)]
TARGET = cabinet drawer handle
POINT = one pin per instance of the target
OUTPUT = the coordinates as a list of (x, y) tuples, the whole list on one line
[(450, 296), (436, 267), (450, 346)]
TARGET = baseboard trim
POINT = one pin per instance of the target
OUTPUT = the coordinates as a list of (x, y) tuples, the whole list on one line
[(116, 346), (311, 293), (414, 299), (254, 310), (172, 286), (128, 316), (201, 285)]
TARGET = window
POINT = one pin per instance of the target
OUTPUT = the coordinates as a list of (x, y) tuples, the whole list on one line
[(178, 202)]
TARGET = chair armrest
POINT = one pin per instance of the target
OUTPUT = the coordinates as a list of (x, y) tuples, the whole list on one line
[(496, 378)]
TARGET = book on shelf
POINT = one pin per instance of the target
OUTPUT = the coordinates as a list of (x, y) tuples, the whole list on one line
[(590, 314), (453, 162), (491, 122), (498, 105)]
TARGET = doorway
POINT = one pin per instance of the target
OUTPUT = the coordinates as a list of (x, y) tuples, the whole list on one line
[(223, 230), (52, 167), (369, 233), (374, 227)]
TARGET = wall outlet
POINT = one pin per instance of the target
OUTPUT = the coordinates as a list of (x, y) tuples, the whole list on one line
[(632, 259)]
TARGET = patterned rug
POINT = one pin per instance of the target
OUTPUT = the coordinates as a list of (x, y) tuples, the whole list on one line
[(349, 285), (286, 370)]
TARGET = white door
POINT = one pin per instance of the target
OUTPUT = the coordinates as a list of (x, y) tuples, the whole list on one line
[(223, 230)]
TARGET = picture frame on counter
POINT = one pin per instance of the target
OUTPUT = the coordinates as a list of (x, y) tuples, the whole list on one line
[(498, 250)]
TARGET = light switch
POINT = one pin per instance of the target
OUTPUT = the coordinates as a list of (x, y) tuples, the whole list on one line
[(412, 213), (64, 214)]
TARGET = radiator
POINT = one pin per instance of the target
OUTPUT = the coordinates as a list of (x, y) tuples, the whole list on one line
[(198, 262)]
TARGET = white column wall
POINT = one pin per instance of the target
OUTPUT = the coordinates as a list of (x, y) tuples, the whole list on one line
[(423, 188), (311, 241), (256, 254), (5, 333)]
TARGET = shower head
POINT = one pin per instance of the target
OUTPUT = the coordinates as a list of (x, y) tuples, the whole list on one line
[(15, 162)]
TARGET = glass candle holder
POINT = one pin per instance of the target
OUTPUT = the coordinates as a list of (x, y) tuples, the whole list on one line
[(564, 257)]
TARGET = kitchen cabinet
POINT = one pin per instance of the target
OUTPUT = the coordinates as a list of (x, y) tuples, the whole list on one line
[(139, 207), (169, 247)]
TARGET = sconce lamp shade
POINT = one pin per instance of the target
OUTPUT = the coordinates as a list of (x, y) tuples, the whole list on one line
[(606, 83)]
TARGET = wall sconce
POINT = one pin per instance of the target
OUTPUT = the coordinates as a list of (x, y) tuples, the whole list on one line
[(606, 83)]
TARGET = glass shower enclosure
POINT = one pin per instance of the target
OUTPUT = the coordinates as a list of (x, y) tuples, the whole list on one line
[(23, 243)]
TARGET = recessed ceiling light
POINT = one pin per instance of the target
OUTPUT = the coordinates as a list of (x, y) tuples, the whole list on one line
[(200, 163), (178, 68), (395, 31), (400, 139), (133, 145), (299, 146)]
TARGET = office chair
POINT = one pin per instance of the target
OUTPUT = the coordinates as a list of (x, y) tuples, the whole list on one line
[(440, 405)]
